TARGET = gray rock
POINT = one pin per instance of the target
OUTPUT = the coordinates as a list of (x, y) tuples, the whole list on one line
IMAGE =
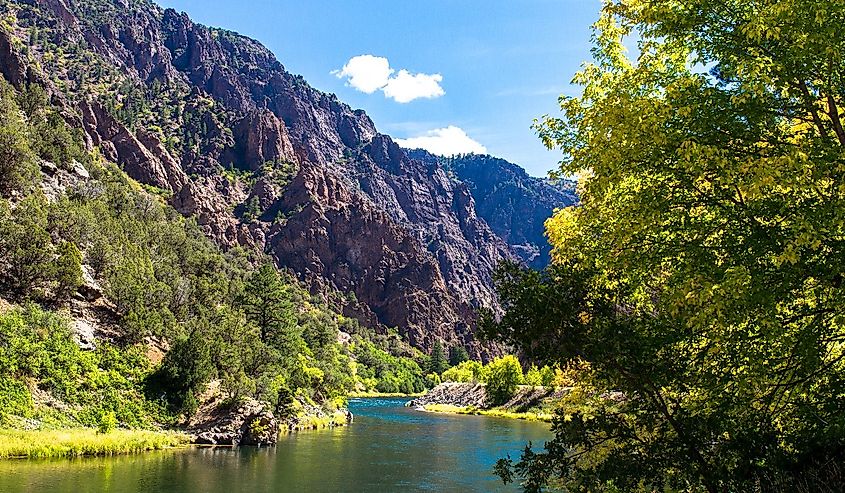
[(250, 423), (453, 394)]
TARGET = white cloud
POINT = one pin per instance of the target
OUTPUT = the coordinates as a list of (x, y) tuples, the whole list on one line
[(406, 87), (368, 74), (444, 142)]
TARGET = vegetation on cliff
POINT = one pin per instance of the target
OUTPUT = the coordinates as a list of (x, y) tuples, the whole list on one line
[(701, 278), (155, 283), (212, 122)]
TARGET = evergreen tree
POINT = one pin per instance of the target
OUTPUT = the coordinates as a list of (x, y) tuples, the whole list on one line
[(457, 355), (17, 165), (68, 269), (437, 361), (267, 303), (25, 246)]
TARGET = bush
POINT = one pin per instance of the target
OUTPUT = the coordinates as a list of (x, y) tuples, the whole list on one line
[(505, 375), (432, 380), (534, 377), (468, 371), (108, 423)]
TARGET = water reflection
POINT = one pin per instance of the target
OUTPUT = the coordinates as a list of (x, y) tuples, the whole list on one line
[(388, 448)]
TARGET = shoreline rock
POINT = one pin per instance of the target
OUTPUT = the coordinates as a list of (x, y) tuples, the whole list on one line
[(453, 394)]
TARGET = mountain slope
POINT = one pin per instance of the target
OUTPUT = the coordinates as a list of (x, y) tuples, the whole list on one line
[(263, 160), (514, 204)]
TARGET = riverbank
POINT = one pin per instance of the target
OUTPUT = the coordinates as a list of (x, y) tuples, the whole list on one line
[(77, 442), (88, 442), (528, 403), (493, 412), (424, 451)]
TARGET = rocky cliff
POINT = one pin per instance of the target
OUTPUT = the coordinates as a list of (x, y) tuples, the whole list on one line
[(263, 160), (514, 204)]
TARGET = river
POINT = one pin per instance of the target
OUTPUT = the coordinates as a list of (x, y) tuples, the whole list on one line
[(388, 448)]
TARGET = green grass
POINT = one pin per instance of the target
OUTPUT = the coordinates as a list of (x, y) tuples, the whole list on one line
[(84, 442), (495, 412), (314, 422)]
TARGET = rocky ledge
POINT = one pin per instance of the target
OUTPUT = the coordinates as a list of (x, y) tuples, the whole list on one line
[(528, 402), (453, 394), (252, 423)]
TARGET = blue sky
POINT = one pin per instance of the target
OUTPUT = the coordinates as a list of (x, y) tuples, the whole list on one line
[(459, 73)]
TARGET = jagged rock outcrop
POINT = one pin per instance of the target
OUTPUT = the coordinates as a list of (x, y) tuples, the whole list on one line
[(260, 137), (141, 154), (266, 162)]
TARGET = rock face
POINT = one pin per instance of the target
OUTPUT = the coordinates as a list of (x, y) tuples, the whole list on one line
[(250, 424), (266, 162), (514, 204), (526, 398), (454, 394)]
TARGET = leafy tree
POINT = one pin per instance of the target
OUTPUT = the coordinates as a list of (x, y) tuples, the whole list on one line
[(457, 355), (468, 371), (533, 377), (504, 375), (437, 361), (707, 253)]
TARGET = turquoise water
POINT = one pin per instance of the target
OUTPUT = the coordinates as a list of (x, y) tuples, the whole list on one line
[(388, 448)]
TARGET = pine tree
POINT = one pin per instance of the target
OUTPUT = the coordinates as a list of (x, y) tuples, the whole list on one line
[(437, 363), (267, 304), (457, 355), (68, 269)]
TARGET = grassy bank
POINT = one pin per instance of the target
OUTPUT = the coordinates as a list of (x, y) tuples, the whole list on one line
[(494, 412), (84, 442), (319, 422)]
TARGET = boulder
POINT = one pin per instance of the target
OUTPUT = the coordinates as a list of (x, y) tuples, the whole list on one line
[(249, 423)]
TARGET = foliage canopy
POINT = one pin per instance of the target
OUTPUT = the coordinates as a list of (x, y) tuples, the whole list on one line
[(701, 276)]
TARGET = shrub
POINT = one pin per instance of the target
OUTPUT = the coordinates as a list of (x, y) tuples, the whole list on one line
[(468, 371), (107, 424), (534, 377)]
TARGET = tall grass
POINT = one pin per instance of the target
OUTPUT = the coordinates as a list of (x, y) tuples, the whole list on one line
[(318, 422), (494, 412), (83, 442)]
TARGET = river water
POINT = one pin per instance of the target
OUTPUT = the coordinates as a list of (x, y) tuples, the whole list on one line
[(388, 448)]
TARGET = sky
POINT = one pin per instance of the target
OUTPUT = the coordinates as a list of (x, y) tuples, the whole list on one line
[(452, 76)]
